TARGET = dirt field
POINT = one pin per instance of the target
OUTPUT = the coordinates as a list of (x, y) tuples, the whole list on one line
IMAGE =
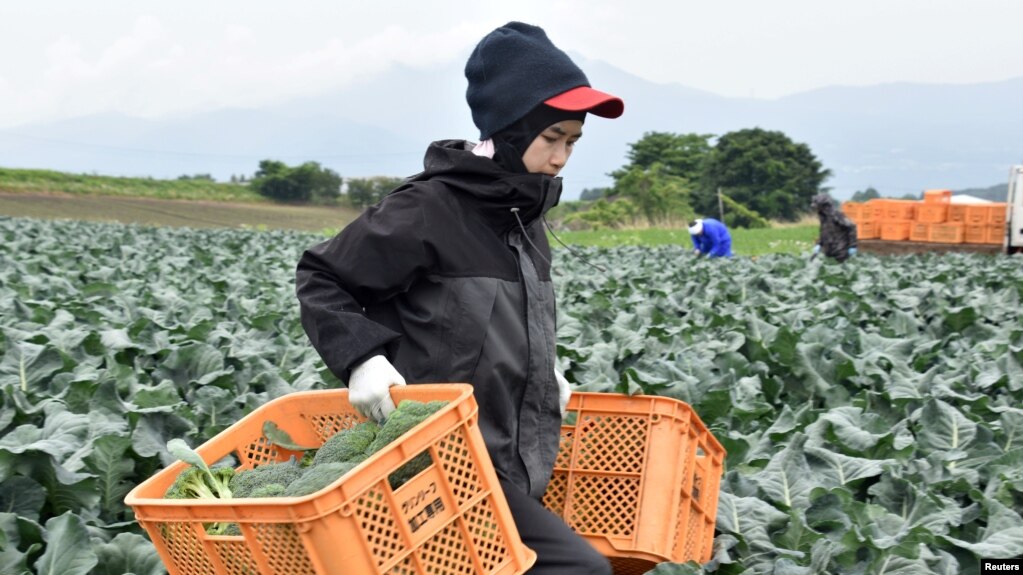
[(175, 213)]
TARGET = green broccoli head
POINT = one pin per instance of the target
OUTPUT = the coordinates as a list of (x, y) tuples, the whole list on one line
[(407, 415), (347, 444), (269, 490), (307, 457), (248, 481), (317, 477), (195, 483), (223, 528), (406, 472), (336, 457)]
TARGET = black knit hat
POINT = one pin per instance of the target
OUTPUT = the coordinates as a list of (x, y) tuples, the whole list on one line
[(515, 68), (822, 203)]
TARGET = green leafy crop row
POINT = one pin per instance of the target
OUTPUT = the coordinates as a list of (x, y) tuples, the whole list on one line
[(871, 411)]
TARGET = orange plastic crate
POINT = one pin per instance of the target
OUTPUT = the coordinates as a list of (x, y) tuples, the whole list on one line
[(949, 233), (937, 196), (638, 477), (997, 213), (872, 210), (899, 210), (452, 518), (933, 213), (895, 231), (853, 210), (975, 233), (995, 234), (978, 215), (868, 230), (957, 213), (919, 232)]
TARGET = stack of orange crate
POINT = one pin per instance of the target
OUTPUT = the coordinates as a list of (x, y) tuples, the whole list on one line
[(984, 224), (866, 216), (997, 214), (933, 223), (935, 219), (897, 218)]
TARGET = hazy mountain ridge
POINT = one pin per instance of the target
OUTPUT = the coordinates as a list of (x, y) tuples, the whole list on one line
[(898, 138), (996, 193)]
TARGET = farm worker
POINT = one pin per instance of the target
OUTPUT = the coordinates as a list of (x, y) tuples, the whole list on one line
[(710, 238), (448, 278), (838, 233)]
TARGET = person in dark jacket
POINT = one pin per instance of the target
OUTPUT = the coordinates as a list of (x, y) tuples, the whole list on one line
[(838, 233), (710, 238), (448, 278)]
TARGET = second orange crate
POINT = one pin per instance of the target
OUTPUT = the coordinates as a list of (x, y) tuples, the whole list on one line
[(895, 231), (975, 233), (872, 210), (948, 233), (868, 230), (937, 196), (899, 210), (933, 213), (637, 477), (919, 232), (957, 213), (450, 519), (997, 213), (977, 215), (995, 234)]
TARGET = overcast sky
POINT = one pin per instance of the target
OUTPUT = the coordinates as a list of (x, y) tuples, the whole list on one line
[(61, 59)]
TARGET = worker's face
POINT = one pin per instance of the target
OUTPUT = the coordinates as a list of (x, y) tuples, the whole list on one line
[(549, 152)]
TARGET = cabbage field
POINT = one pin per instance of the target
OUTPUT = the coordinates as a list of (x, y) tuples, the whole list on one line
[(872, 412)]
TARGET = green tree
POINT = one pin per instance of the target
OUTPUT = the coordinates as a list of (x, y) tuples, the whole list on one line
[(603, 215), (303, 183), (590, 194), (739, 216), (661, 197), (364, 192), (763, 170), (863, 195), (272, 180), (657, 178), (323, 184), (681, 155)]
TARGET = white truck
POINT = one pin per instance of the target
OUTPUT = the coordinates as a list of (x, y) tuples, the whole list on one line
[(1014, 217), (1012, 243)]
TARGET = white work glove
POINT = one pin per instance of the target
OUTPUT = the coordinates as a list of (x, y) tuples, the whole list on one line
[(369, 388), (564, 391)]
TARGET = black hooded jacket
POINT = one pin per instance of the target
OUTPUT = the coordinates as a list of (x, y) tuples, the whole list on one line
[(443, 280), (838, 232)]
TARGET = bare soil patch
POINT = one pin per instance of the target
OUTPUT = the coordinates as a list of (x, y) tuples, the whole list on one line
[(179, 213)]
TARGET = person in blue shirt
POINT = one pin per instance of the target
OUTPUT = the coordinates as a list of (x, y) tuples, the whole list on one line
[(711, 238)]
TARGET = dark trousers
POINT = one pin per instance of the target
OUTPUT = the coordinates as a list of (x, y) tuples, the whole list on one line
[(559, 550)]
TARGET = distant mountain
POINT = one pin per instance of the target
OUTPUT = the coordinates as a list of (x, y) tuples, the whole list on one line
[(897, 138), (996, 193), (220, 143)]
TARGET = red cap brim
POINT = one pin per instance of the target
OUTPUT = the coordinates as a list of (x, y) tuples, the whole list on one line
[(586, 99)]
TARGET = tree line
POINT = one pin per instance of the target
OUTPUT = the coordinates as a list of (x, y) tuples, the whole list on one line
[(749, 176), (311, 182)]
